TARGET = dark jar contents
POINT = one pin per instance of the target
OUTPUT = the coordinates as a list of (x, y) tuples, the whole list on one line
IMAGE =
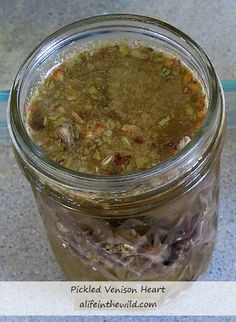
[(170, 242), (121, 144)]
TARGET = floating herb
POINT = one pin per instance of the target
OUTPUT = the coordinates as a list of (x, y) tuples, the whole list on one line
[(90, 67), (97, 155), (190, 111), (93, 92), (165, 72), (124, 50), (45, 121), (164, 121)]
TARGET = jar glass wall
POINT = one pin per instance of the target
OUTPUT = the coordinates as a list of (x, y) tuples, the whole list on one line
[(156, 224)]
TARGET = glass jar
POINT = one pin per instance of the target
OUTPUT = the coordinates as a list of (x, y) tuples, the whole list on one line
[(156, 224)]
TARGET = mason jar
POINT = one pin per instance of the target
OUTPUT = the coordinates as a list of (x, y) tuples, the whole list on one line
[(155, 224)]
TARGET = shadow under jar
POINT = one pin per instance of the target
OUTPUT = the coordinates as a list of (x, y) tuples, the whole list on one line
[(155, 224)]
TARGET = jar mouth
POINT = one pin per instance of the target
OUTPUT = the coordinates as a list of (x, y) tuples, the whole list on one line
[(33, 155)]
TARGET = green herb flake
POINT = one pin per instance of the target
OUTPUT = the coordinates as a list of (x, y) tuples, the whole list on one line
[(93, 92), (68, 161), (124, 50), (90, 67), (165, 72), (112, 124), (84, 55), (56, 93), (190, 111), (164, 121), (140, 161), (45, 121), (108, 133)]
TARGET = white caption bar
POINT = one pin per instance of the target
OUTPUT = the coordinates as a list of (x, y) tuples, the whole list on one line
[(118, 298)]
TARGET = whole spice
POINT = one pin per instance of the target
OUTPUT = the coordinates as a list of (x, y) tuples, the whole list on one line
[(120, 160), (107, 160), (65, 133), (183, 142)]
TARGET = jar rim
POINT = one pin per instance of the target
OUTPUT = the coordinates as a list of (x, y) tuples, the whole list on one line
[(34, 156)]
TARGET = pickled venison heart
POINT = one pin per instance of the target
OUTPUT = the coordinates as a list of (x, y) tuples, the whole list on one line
[(123, 109)]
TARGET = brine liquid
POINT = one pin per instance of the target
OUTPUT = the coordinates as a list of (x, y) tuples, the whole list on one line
[(116, 110)]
